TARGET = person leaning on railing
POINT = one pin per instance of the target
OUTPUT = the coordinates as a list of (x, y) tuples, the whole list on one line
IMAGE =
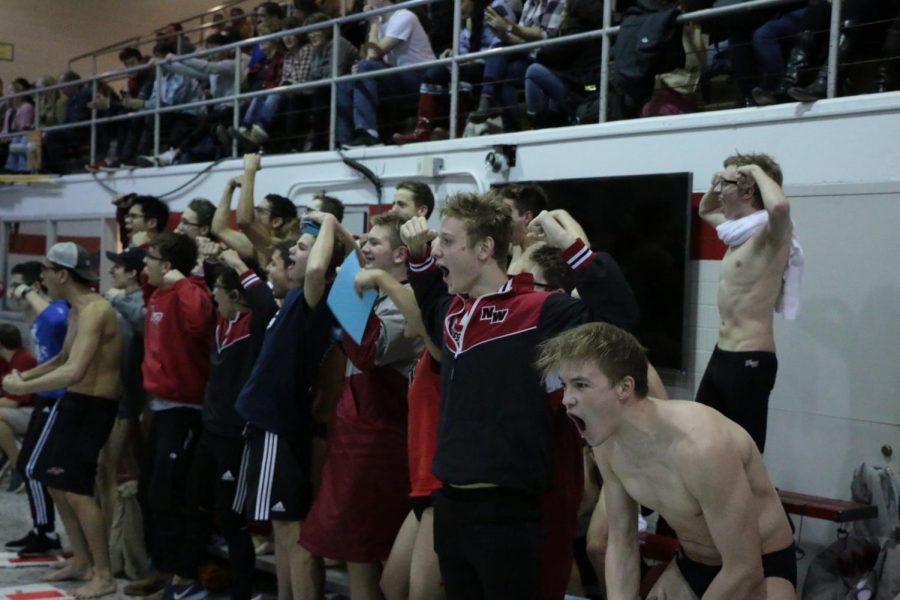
[(19, 117), (262, 110)]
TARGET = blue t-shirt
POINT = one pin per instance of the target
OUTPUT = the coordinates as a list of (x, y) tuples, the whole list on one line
[(278, 395), (48, 332)]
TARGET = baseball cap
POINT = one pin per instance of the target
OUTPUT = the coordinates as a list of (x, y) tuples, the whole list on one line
[(131, 258), (72, 256)]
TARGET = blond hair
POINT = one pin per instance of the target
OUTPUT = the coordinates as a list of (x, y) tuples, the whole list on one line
[(764, 162), (482, 218), (614, 351)]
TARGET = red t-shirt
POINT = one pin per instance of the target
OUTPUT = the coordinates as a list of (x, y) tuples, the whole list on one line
[(424, 399), (22, 360)]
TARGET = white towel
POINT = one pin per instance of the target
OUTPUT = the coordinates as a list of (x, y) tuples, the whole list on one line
[(736, 232)]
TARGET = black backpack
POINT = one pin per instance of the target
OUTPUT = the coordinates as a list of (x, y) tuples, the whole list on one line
[(648, 43)]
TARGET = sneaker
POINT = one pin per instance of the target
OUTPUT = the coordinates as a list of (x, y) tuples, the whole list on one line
[(190, 591), (42, 544), (364, 138), (146, 160), (22, 541), (16, 482), (100, 165), (166, 158)]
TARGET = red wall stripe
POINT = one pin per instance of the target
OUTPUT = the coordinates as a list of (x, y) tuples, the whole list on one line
[(705, 244)]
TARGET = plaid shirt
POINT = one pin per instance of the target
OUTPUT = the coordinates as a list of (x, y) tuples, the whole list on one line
[(296, 65), (544, 14)]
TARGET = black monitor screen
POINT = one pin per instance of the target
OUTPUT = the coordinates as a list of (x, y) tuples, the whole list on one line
[(643, 222)]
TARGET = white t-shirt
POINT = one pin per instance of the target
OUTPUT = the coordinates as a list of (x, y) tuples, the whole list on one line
[(415, 47)]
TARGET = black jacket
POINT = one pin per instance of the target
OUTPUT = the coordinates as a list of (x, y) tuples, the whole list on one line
[(495, 421)]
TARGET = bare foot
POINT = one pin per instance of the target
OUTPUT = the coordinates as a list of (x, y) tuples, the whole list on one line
[(71, 572), (96, 587)]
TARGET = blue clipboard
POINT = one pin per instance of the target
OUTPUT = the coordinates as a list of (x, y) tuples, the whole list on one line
[(351, 311)]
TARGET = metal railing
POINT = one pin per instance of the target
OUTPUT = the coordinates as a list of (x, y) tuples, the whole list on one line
[(453, 61), (138, 41)]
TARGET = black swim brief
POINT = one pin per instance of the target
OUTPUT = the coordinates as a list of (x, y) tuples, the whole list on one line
[(781, 563)]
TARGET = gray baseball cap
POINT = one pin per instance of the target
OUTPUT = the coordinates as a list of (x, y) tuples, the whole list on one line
[(72, 256)]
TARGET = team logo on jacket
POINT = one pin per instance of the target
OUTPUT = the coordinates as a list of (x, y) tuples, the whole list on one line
[(493, 314), (156, 317)]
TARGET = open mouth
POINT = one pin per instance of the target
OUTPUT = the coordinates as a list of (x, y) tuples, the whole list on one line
[(579, 422), (445, 272)]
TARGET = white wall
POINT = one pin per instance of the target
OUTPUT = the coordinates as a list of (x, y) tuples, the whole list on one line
[(47, 33), (836, 398)]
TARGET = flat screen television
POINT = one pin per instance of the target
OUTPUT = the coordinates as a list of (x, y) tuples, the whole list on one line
[(644, 223)]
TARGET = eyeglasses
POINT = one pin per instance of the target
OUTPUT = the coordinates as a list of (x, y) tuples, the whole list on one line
[(189, 223), (261, 209), (133, 216), (51, 268), (723, 181), (151, 257)]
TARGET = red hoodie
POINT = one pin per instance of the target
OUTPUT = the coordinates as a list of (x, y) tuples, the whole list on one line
[(177, 340)]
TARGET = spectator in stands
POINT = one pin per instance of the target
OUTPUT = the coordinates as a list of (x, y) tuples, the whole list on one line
[(172, 35), (503, 73), (217, 70), (174, 125), (268, 15), (525, 201), (58, 142), (196, 220), (396, 40), (563, 76), (218, 26), (434, 92), (321, 43), (48, 323), (53, 104), (121, 135), (19, 118), (861, 20), (363, 498), (262, 110), (239, 24), (770, 41), (15, 411)]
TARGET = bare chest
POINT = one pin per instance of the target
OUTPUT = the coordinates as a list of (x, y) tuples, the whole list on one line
[(659, 487)]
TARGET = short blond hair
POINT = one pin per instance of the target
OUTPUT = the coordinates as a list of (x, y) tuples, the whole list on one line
[(617, 353), (483, 218), (393, 221)]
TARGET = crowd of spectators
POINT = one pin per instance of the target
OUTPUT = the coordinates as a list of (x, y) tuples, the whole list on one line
[(772, 55), (244, 402)]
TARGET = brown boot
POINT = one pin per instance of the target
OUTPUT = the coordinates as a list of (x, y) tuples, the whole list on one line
[(428, 109)]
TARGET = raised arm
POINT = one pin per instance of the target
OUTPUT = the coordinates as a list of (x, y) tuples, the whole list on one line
[(425, 278), (221, 225), (315, 281), (258, 235), (710, 205), (721, 488), (774, 201), (622, 563)]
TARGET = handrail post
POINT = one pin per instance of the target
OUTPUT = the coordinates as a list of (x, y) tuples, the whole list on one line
[(93, 122), (604, 60), (332, 111), (37, 110), (834, 37), (156, 115), (454, 70), (236, 106)]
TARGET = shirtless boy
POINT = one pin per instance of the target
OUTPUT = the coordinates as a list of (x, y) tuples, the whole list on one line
[(700, 471), (88, 367), (751, 214)]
